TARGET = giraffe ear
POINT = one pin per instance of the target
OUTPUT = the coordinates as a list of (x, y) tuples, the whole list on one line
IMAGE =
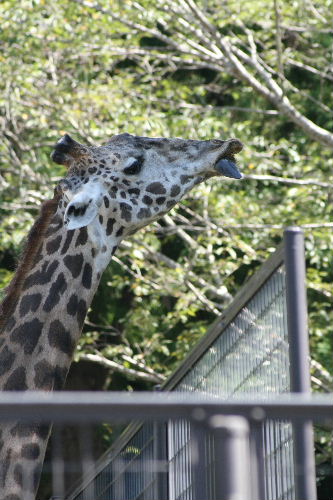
[(81, 211)]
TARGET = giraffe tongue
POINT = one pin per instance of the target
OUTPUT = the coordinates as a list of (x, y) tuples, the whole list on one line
[(228, 169)]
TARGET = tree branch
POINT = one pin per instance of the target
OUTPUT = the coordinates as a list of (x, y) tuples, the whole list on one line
[(203, 299), (311, 69), (181, 233), (278, 37), (202, 229), (143, 367), (287, 180), (326, 379), (272, 91), (151, 283), (116, 367), (221, 294)]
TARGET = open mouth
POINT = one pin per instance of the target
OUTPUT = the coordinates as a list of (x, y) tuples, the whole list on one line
[(227, 166)]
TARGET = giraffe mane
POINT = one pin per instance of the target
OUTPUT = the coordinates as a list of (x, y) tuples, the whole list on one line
[(32, 246)]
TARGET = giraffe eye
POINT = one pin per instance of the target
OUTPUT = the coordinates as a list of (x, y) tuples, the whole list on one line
[(135, 167)]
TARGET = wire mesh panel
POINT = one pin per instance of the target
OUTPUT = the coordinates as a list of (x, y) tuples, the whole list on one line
[(180, 477), (251, 356), (131, 474)]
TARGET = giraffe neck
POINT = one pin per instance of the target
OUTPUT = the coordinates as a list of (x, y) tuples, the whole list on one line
[(38, 339), (34, 239)]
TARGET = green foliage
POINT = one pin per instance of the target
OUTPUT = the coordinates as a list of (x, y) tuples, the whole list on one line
[(69, 67), (91, 72)]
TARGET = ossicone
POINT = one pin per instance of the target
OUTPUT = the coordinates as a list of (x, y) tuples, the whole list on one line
[(66, 150)]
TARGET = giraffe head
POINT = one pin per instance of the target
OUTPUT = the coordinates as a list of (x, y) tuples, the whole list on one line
[(131, 181)]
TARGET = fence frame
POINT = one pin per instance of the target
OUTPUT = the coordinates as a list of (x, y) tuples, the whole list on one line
[(224, 418), (290, 253), (88, 406)]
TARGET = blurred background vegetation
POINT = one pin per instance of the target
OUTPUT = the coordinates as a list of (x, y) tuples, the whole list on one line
[(261, 72)]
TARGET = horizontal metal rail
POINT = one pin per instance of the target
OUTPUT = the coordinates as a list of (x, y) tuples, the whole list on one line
[(113, 406)]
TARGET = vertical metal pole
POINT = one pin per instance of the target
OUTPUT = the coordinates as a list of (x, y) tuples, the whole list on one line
[(198, 461), (86, 449), (232, 457), (58, 463), (160, 460), (257, 462), (305, 474)]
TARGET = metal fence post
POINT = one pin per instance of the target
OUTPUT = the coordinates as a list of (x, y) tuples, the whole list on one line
[(305, 476), (257, 461), (232, 457), (160, 459), (198, 461)]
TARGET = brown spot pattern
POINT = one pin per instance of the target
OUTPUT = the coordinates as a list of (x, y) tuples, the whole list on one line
[(74, 264), (60, 338), (30, 302), (156, 188), (56, 290), (27, 335)]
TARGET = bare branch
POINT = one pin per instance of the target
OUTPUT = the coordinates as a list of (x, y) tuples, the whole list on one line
[(136, 275), (306, 29), (221, 229), (157, 53), (140, 28), (315, 12), (311, 69), (249, 69), (183, 235), (203, 299), (318, 288), (326, 379), (143, 367), (278, 226), (116, 367), (278, 36), (275, 95), (287, 180), (207, 107), (273, 91), (319, 383), (221, 294), (102, 328)]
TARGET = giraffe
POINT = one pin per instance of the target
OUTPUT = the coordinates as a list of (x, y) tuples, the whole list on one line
[(109, 192)]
